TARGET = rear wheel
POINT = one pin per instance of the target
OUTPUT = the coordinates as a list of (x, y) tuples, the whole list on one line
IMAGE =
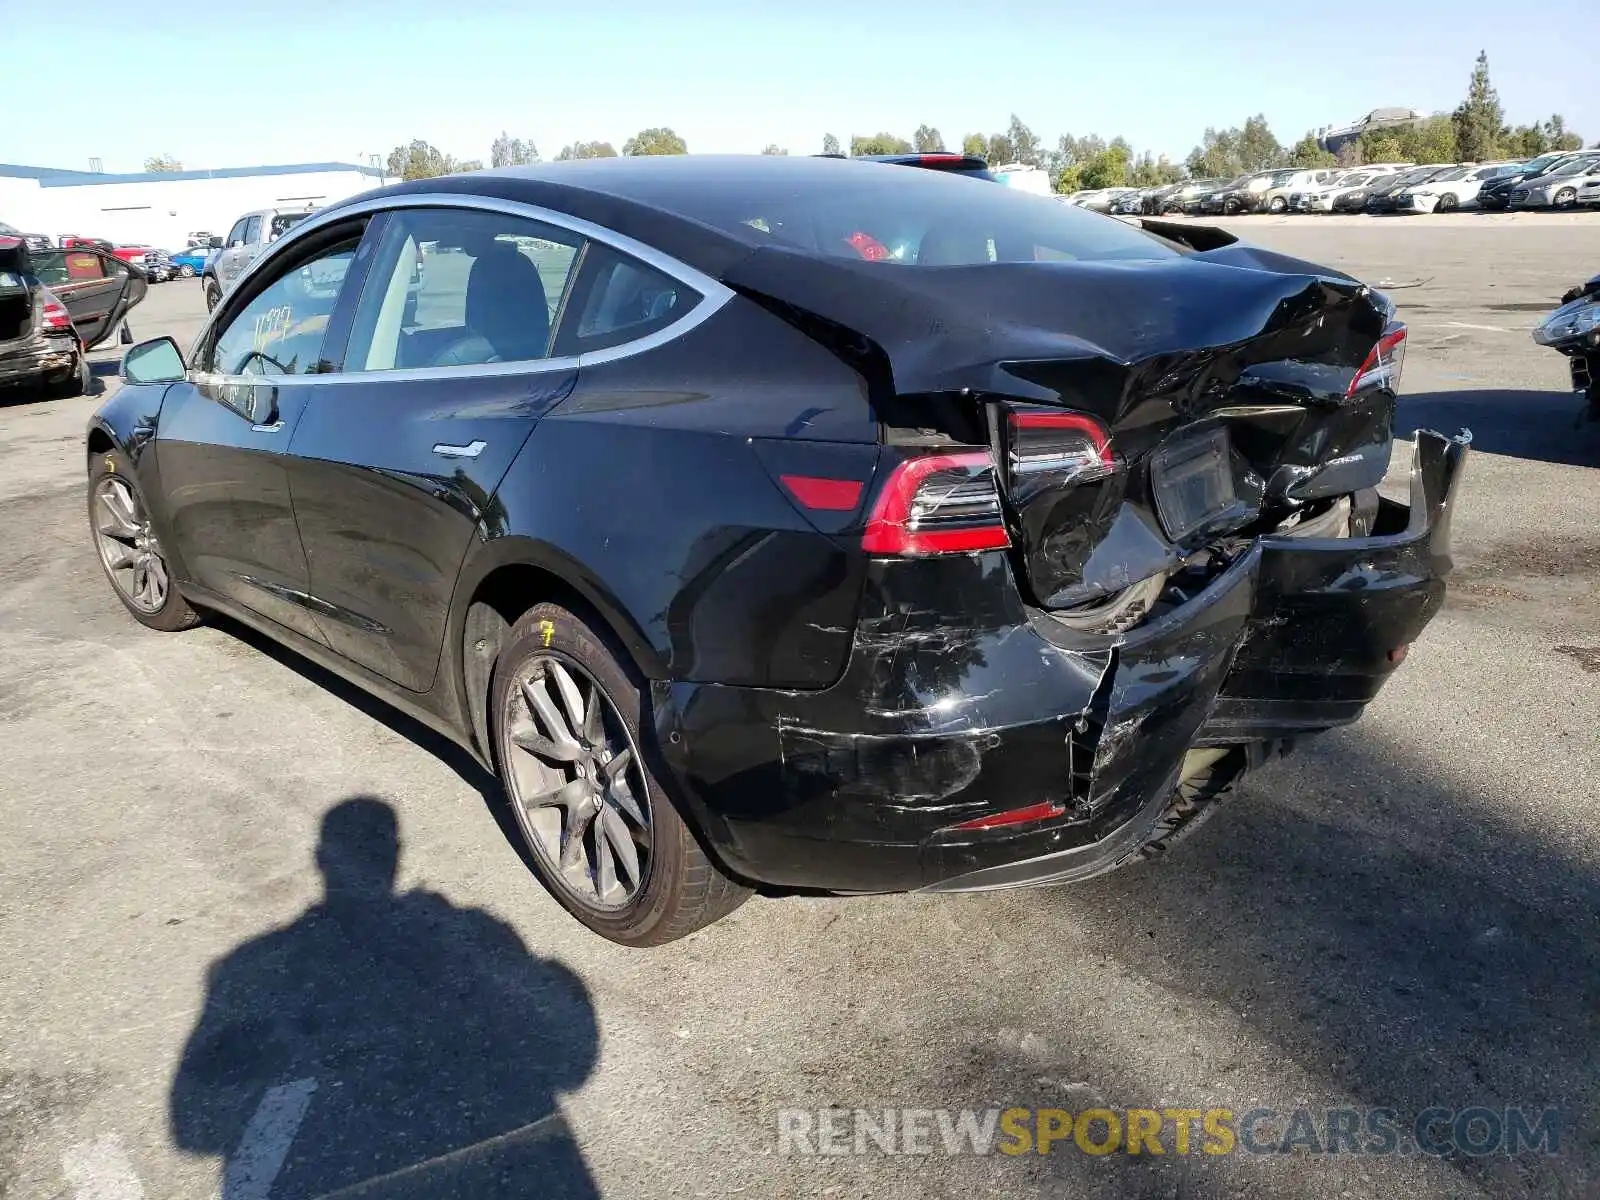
[(1277, 205), (74, 383), (579, 771), (186, 271), (1207, 778)]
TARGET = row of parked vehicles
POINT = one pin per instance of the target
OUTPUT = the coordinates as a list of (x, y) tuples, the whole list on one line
[(1559, 180)]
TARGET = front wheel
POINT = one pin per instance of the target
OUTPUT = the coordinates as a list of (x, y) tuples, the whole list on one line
[(130, 552), (186, 271), (213, 293), (1447, 203), (1565, 198), (1277, 206), (579, 770)]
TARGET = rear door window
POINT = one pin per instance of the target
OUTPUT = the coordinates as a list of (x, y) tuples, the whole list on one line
[(618, 299)]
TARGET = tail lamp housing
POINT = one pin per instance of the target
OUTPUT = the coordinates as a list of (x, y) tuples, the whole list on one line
[(938, 504), (1383, 364)]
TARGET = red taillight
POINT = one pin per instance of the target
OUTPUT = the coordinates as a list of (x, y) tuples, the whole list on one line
[(938, 157), (824, 495), (52, 315), (938, 504), (1056, 449), (869, 247), (1015, 816), (1383, 365)]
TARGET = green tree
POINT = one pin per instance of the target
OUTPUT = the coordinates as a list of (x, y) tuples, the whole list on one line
[(1108, 168), (1307, 152), (162, 164), (928, 140), (1349, 154), (1430, 141), (1559, 136), (422, 160), (1217, 155), (774, 148), (508, 151), (830, 144), (586, 150), (1258, 148), (1025, 146), (975, 144), (879, 143), (1479, 119), (659, 140), (1382, 147)]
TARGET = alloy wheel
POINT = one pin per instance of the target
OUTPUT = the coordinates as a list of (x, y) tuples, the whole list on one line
[(1566, 198), (128, 546), (577, 783)]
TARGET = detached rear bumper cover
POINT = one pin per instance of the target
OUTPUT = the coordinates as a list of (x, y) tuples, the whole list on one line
[(857, 788)]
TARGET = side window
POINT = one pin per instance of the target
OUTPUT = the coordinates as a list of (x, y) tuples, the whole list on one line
[(618, 300), (280, 330), (460, 287), (236, 234), (252, 231), (56, 268)]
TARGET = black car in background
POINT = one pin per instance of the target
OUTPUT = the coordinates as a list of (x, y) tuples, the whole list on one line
[(792, 523), (57, 305), (1495, 195), (158, 266), (1380, 193)]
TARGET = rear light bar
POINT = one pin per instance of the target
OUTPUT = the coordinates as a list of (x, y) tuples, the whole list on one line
[(1383, 365), (824, 495), (938, 504)]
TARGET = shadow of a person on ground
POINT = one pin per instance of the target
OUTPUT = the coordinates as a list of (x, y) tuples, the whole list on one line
[(385, 1044)]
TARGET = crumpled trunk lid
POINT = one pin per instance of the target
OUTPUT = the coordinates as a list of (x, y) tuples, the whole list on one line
[(1221, 378)]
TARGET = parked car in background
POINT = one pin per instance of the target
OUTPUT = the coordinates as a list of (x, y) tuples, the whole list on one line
[(1279, 198), (158, 266), (1251, 196), (891, 632), (1589, 191), (55, 306), (1100, 200), (251, 234), (1187, 193), (1496, 194), (192, 261), (1558, 187), (1214, 202), (1454, 189), (1380, 192), (1324, 199)]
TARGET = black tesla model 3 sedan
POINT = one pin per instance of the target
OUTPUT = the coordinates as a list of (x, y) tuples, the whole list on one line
[(792, 523)]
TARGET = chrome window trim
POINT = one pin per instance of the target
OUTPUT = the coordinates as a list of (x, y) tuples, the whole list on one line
[(714, 294)]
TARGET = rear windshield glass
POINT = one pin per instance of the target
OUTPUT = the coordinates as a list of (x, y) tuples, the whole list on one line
[(909, 217), (283, 222)]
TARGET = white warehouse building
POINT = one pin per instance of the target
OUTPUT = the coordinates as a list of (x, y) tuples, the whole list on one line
[(164, 208)]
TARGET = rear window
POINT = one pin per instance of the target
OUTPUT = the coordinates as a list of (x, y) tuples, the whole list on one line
[(911, 218), (283, 222)]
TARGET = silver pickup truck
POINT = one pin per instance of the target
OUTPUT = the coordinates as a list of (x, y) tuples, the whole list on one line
[(250, 235)]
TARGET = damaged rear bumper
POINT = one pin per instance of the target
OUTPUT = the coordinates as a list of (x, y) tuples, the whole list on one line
[(861, 787)]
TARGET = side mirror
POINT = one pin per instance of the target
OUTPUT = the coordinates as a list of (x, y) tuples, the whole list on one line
[(157, 361), (214, 244)]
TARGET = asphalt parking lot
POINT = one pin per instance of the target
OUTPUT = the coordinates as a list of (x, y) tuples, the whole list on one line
[(1401, 916)]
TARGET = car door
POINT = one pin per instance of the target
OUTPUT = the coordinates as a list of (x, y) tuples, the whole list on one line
[(396, 462), (225, 268), (96, 288), (225, 431)]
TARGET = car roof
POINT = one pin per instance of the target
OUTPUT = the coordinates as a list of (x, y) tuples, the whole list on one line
[(645, 197)]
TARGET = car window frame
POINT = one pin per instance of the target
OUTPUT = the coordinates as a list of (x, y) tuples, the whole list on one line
[(272, 267), (714, 293)]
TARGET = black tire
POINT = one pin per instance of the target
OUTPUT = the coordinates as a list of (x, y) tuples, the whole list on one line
[(1192, 804), (683, 889), (1277, 206), (1447, 203), (213, 292), (174, 613)]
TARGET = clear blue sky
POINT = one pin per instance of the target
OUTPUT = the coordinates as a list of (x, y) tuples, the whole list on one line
[(245, 82)]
